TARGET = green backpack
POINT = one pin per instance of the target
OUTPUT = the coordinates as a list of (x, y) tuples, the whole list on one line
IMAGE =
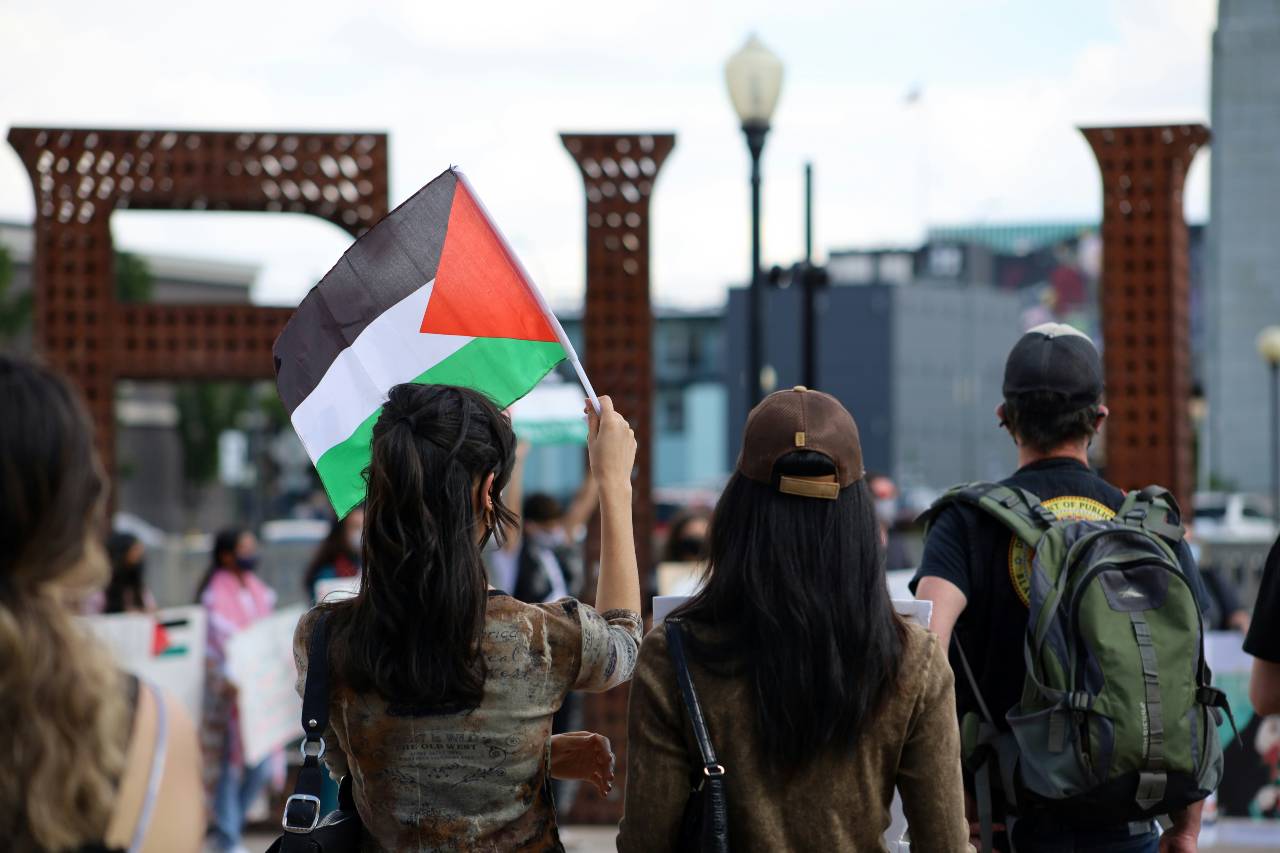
[(1118, 718)]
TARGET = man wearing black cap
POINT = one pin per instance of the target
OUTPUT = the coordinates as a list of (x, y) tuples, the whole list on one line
[(977, 574)]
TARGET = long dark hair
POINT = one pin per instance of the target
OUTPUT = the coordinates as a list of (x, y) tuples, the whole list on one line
[(795, 600), (126, 589), (224, 544), (332, 547), (413, 632)]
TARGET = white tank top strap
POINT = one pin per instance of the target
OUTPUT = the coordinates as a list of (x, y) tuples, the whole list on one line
[(156, 774)]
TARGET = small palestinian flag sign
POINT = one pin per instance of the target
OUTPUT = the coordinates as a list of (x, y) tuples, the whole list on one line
[(431, 294)]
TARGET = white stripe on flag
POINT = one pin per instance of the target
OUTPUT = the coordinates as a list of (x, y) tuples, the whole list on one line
[(389, 351)]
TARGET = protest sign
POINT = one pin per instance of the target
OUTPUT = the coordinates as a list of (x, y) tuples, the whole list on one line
[(260, 661), (165, 648), (1251, 772)]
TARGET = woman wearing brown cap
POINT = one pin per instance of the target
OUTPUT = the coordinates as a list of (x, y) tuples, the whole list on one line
[(817, 698)]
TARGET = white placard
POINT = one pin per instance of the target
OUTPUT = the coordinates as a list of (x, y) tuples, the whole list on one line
[(165, 648), (260, 661)]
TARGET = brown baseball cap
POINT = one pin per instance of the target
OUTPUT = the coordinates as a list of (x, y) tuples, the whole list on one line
[(800, 419)]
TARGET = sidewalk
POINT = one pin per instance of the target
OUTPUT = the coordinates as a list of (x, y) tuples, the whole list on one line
[(599, 839)]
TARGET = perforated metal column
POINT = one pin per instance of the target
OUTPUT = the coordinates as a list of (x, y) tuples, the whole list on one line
[(81, 176), (619, 171), (1145, 303)]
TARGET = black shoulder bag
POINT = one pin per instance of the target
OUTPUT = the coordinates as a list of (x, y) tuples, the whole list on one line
[(305, 829), (705, 825)]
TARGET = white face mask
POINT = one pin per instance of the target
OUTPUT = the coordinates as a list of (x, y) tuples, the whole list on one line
[(886, 510), (554, 538)]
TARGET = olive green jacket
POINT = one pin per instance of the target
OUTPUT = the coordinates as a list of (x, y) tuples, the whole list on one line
[(839, 801)]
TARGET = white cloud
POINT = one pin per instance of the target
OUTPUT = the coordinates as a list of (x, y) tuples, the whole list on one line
[(488, 86)]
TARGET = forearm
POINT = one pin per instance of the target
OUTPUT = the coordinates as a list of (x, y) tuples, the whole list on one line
[(1187, 821), (619, 585), (584, 504), (1264, 687)]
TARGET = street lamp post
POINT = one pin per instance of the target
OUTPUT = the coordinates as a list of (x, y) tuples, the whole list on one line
[(754, 79), (1269, 349)]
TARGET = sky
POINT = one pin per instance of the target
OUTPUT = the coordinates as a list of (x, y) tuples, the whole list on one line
[(989, 137)]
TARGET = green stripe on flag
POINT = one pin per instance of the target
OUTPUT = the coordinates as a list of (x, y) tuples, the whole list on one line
[(502, 368)]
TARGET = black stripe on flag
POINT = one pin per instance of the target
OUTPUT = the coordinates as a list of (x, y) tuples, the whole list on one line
[(385, 264)]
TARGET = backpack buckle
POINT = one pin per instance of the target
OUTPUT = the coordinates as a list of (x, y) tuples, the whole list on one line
[(1044, 514)]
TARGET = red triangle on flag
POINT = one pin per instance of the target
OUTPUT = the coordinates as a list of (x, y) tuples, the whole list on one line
[(480, 290)]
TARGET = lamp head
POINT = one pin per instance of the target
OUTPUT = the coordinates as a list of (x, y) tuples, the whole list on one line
[(1269, 344), (754, 78)]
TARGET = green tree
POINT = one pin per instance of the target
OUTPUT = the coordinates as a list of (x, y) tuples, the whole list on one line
[(133, 278), (15, 308), (205, 411)]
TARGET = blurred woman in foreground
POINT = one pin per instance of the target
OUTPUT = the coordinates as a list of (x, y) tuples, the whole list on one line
[(93, 760), (818, 698)]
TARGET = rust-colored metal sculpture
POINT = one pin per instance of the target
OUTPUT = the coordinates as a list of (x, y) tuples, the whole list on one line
[(81, 176), (1145, 303), (618, 171)]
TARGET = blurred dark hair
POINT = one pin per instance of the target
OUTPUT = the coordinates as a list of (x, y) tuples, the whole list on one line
[(1040, 421), (542, 508), (677, 547), (795, 601), (125, 590), (413, 633), (224, 544), (332, 547)]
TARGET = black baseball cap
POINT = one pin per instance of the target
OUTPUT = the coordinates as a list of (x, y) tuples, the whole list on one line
[(1055, 359)]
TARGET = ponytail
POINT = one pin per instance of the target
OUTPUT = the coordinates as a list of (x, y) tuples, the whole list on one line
[(413, 633)]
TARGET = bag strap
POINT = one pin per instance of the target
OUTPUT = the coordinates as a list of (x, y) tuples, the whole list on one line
[(711, 768), (302, 809), (1154, 510), (1017, 509)]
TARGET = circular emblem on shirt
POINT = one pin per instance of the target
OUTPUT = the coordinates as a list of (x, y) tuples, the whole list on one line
[(1066, 508)]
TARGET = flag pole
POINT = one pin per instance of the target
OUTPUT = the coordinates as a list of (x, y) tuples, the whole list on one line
[(537, 294)]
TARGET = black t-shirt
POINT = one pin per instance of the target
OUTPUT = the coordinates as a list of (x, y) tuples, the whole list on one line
[(1263, 641), (992, 568)]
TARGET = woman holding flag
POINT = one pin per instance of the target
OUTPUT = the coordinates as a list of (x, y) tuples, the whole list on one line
[(443, 688)]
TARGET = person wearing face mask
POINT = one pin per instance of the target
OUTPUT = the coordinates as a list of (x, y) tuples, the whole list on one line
[(537, 564), (687, 540), (234, 598), (339, 554), (885, 492)]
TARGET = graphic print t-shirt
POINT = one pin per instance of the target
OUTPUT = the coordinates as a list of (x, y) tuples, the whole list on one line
[(474, 779), (992, 568)]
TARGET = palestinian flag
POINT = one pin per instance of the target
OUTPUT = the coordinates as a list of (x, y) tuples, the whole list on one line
[(431, 294)]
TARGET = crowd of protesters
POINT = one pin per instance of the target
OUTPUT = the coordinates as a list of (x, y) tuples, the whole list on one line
[(778, 708)]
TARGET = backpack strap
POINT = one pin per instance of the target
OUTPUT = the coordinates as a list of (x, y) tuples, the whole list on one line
[(1017, 509), (1154, 510)]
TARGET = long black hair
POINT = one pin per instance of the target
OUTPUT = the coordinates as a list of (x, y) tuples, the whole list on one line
[(224, 544), (795, 600), (413, 632), (127, 588)]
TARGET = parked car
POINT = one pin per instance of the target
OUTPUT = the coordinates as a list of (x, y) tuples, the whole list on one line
[(1233, 517)]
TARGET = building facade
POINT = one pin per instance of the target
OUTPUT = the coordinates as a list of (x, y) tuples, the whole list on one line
[(1244, 239)]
